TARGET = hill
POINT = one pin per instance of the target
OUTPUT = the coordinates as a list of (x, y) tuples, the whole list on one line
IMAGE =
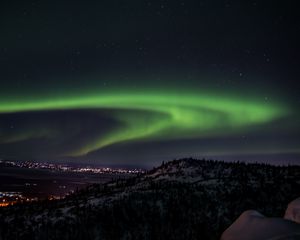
[(181, 199)]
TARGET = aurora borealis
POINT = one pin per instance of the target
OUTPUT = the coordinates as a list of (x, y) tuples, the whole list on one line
[(155, 116), (109, 84)]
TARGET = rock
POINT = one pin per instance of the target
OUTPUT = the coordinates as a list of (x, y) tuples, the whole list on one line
[(293, 211), (252, 225)]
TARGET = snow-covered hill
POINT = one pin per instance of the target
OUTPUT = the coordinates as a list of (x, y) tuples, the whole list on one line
[(181, 199)]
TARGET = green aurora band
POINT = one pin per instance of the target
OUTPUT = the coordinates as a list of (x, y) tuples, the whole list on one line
[(150, 115)]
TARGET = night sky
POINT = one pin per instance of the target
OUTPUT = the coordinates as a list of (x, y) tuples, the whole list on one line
[(138, 82)]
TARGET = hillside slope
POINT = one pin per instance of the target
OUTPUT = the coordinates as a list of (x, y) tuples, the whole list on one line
[(182, 199)]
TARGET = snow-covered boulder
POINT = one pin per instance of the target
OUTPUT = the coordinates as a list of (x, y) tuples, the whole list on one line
[(252, 225), (293, 211)]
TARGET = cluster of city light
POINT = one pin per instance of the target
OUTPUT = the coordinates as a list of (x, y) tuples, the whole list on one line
[(34, 165), (66, 168), (11, 198), (107, 170)]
